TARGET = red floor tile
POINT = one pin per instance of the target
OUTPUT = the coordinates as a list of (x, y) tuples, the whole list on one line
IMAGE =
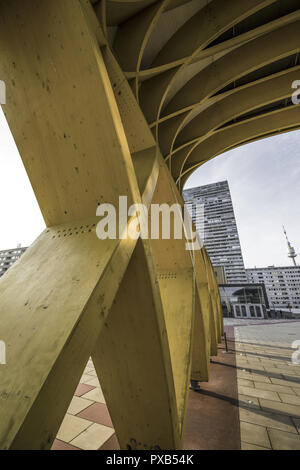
[(60, 445), (82, 389), (98, 413), (111, 444)]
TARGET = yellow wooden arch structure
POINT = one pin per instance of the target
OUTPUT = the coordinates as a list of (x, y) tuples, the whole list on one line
[(108, 98)]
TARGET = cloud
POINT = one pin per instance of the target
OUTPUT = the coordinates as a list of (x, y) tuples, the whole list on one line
[(264, 182)]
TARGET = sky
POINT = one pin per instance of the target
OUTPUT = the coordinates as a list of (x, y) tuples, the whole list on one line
[(264, 179), (20, 217)]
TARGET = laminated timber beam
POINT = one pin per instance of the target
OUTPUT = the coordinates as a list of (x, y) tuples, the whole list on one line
[(255, 128), (129, 326), (210, 121), (194, 36), (84, 141), (251, 56), (226, 70), (257, 44), (217, 49), (63, 298), (133, 363), (87, 135), (245, 99)]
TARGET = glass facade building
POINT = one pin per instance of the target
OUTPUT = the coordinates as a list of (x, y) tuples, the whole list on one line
[(244, 301)]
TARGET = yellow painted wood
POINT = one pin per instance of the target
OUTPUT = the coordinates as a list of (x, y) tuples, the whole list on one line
[(213, 294), (173, 258), (176, 279), (146, 166), (272, 36), (74, 129), (252, 129), (213, 51), (213, 330), (177, 292), (132, 36), (216, 295), (207, 298), (84, 140), (246, 98), (139, 136), (200, 343), (188, 41), (217, 298), (237, 63), (142, 146), (133, 362), (204, 337), (54, 302), (207, 24), (52, 325)]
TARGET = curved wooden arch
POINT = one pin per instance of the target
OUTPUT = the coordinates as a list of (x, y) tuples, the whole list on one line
[(84, 140), (236, 64), (228, 107), (260, 94), (254, 129), (152, 110), (129, 47), (218, 75)]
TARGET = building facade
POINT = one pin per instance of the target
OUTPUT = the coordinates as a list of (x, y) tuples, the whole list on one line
[(282, 285), (244, 300), (211, 209), (9, 257)]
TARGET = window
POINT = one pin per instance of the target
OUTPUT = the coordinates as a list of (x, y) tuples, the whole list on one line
[(258, 311)]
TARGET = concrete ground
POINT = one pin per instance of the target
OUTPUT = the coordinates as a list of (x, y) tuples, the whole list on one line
[(252, 401)]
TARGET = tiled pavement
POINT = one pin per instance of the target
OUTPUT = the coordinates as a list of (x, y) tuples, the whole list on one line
[(87, 424), (268, 393), (268, 385)]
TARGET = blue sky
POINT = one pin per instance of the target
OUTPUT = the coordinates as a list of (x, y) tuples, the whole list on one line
[(264, 179)]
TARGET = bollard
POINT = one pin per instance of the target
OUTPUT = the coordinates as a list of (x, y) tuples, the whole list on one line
[(226, 345)]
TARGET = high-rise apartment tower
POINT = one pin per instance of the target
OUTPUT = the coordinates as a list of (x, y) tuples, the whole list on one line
[(212, 212)]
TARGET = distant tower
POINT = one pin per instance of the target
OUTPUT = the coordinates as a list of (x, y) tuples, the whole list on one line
[(291, 251)]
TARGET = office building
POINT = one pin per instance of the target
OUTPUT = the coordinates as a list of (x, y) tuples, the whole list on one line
[(282, 285), (212, 212), (9, 257)]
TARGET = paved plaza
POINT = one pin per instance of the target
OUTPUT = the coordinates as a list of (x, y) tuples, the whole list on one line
[(268, 395), (268, 384)]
